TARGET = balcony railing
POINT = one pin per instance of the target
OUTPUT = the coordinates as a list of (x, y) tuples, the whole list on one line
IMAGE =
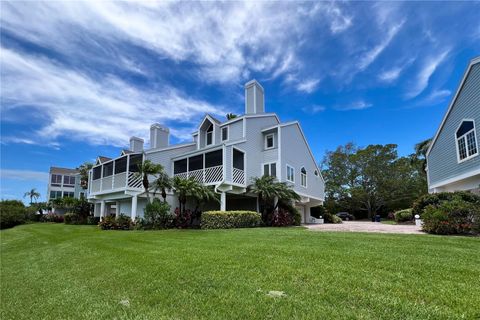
[(238, 176), (116, 182), (204, 176)]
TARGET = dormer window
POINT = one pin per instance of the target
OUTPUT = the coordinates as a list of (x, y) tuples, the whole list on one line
[(269, 142), (209, 135), (466, 141), (303, 177), (224, 133)]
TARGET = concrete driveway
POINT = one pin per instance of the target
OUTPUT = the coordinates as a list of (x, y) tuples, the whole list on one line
[(366, 226)]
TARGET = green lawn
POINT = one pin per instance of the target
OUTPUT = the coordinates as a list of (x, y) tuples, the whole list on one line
[(55, 271)]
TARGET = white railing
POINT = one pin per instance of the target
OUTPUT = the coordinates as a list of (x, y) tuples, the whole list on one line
[(134, 181), (96, 185), (119, 180), (207, 175), (238, 176), (116, 182), (107, 183)]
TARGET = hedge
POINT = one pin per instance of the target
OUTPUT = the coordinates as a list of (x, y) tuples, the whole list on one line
[(452, 217), (12, 213), (436, 199), (230, 219), (403, 215)]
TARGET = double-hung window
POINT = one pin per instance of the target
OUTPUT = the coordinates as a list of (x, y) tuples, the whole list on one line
[(224, 133), (209, 135), (269, 142), (466, 140), (303, 177), (290, 174)]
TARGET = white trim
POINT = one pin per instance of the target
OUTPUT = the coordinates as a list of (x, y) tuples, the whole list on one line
[(289, 166), (279, 153), (244, 165), (228, 133), (452, 102), (455, 179), (266, 141), (270, 168), (464, 137), (212, 133)]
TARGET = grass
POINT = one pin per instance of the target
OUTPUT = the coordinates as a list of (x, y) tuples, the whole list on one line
[(56, 271)]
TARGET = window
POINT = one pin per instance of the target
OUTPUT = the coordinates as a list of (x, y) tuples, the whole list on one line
[(195, 163), (108, 169), (67, 194), (97, 172), (290, 173), (56, 179), (55, 194), (315, 173), (121, 165), (225, 134), (466, 140), (270, 169), (70, 180), (238, 159), (303, 176), (180, 166), (269, 143), (213, 159), (209, 135), (135, 160)]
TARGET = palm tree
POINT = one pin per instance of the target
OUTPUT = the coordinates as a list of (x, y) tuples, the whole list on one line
[(421, 150), (203, 194), (184, 188), (231, 116), (32, 194), (162, 183), (83, 169), (145, 170), (267, 189)]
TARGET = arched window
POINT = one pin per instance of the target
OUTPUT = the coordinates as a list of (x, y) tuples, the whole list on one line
[(209, 135), (303, 176), (466, 140)]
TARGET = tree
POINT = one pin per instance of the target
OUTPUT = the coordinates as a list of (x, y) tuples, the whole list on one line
[(162, 183), (268, 189), (184, 188), (204, 194), (145, 170), (231, 116), (83, 169), (420, 154), (32, 194)]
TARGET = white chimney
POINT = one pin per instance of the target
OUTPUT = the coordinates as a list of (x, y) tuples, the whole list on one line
[(254, 98), (136, 144), (159, 136)]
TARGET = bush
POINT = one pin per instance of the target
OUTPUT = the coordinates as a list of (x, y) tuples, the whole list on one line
[(230, 219), (158, 215), (12, 213), (331, 218), (122, 222), (437, 198), (452, 217), (281, 218), (294, 216), (74, 218), (51, 217), (91, 220), (403, 215), (183, 219)]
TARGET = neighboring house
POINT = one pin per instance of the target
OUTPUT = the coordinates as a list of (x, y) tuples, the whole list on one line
[(64, 182), (453, 161), (226, 155)]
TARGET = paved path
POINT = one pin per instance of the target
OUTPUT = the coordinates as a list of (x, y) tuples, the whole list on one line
[(366, 226)]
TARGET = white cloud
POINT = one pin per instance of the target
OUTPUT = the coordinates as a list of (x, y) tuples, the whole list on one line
[(357, 105), (98, 111), (314, 109), (369, 57), (23, 175), (429, 66), (308, 85), (390, 75), (433, 98)]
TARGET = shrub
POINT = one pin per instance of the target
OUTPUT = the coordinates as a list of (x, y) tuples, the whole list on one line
[(74, 218), (122, 222), (331, 218), (12, 213), (51, 217), (452, 217), (183, 219), (281, 218), (295, 218), (157, 215), (91, 220), (403, 215), (230, 219), (437, 198)]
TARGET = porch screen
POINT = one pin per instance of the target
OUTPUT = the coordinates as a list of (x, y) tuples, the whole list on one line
[(97, 172), (213, 159), (238, 159), (135, 160), (180, 166), (121, 165), (195, 163)]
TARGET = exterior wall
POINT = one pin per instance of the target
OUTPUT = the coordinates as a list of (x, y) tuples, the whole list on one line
[(235, 130), (164, 157), (295, 152), (442, 159), (76, 188), (468, 184)]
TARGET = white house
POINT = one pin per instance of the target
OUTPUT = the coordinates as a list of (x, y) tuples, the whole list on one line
[(453, 161), (64, 182), (226, 155)]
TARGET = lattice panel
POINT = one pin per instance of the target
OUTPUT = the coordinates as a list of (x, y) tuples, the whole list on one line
[(133, 181), (238, 176), (214, 174), (197, 175), (183, 175)]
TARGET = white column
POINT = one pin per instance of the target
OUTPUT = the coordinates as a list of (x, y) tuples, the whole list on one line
[(133, 215), (117, 210), (223, 201), (102, 209)]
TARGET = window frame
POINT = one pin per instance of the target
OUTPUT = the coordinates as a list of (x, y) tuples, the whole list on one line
[(464, 137), (302, 176), (293, 174), (269, 164), (207, 133), (266, 141), (228, 133)]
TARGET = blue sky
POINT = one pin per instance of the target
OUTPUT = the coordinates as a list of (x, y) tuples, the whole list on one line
[(78, 79)]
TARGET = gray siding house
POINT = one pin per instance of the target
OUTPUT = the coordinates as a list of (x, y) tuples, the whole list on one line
[(226, 155), (453, 161)]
